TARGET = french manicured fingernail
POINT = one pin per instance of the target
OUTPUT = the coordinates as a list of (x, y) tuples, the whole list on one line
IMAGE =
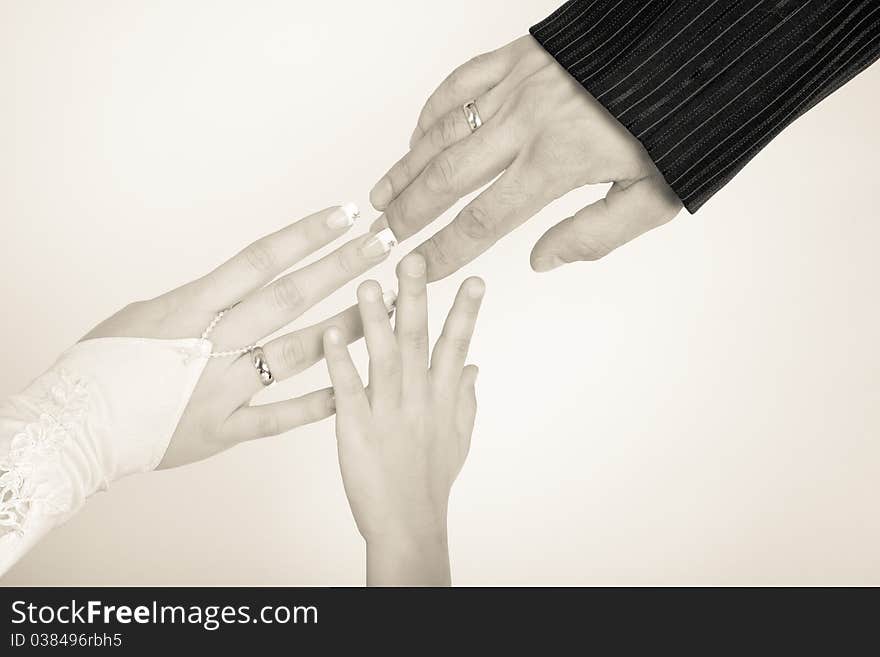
[(548, 262), (380, 195), (379, 224), (389, 298), (476, 289), (343, 217), (378, 244), (333, 335)]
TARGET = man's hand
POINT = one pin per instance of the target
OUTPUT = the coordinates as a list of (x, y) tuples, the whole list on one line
[(546, 136)]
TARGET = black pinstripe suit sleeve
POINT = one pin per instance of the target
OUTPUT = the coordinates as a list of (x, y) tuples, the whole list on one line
[(706, 85)]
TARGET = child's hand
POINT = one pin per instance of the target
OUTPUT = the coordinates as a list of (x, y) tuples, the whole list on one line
[(403, 441)]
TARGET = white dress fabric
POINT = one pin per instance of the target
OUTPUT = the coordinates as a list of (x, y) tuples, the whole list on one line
[(106, 409)]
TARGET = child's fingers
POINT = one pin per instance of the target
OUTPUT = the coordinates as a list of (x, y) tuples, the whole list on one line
[(451, 349), (411, 325), (384, 354), (466, 408), (348, 389)]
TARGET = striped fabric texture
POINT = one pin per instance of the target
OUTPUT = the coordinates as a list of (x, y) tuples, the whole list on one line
[(706, 85)]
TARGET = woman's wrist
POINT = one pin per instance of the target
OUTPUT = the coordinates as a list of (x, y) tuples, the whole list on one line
[(408, 560)]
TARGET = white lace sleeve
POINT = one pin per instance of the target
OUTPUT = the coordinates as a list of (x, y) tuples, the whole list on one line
[(107, 408)]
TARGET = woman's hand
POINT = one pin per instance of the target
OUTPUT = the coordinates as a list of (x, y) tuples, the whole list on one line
[(219, 414), (546, 136), (403, 441)]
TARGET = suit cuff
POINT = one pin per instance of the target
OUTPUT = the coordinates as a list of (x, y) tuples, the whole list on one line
[(705, 86)]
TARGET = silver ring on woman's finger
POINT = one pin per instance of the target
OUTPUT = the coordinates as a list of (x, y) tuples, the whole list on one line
[(258, 358), (472, 114)]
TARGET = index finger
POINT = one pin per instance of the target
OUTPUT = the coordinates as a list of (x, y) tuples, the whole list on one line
[(352, 405), (451, 350)]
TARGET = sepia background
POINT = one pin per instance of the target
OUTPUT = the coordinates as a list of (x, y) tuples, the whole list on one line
[(701, 407)]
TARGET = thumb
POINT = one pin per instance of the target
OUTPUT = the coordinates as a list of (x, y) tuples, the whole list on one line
[(624, 214)]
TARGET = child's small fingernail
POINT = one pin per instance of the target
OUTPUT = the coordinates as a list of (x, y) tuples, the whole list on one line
[(378, 244), (370, 291), (333, 335), (343, 217), (413, 265), (476, 288)]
